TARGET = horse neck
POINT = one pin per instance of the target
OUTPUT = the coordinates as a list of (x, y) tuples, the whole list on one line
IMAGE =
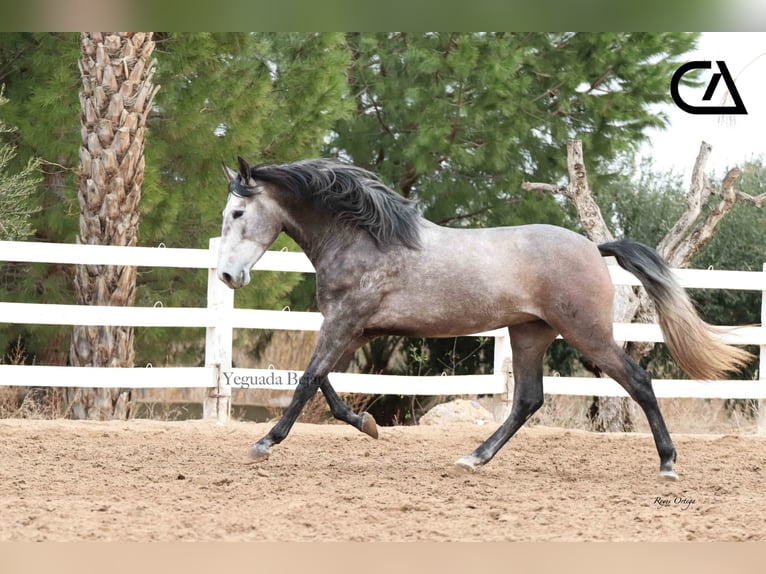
[(315, 230)]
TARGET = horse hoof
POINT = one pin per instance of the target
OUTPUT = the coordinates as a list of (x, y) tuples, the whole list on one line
[(369, 427), (668, 475), (468, 463), (258, 453)]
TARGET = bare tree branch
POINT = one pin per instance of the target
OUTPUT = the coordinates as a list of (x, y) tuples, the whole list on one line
[(695, 199), (479, 211), (757, 201), (702, 232), (546, 187)]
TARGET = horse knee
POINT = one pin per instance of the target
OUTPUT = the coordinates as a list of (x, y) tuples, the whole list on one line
[(526, 407)]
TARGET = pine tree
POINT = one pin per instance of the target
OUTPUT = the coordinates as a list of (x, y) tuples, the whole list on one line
[(459, 120)]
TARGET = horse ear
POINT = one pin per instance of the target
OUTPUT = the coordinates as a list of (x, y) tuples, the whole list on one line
[(244, 169), (228, 172)]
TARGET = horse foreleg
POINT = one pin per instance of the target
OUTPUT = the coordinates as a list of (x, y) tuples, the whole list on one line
[(330, 347), (341, 411), (307, 388), (528, 343)]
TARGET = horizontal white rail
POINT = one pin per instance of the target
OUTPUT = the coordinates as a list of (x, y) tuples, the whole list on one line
[(138, 378), (702, 278), (63, 253), (205, 377)]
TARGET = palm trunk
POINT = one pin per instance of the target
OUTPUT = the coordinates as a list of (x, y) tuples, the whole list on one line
[(116, 98)]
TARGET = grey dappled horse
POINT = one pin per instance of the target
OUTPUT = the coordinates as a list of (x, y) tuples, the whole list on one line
[(381, 269)]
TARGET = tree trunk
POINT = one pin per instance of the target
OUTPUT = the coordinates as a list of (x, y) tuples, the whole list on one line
[(116, 98), (607, 414)]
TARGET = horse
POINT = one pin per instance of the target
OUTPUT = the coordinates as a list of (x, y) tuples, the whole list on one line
[(383, 269)]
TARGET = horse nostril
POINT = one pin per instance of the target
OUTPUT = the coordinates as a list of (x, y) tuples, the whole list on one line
[(226, 278)]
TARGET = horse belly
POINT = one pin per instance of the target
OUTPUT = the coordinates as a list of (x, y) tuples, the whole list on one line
[(449, 311)]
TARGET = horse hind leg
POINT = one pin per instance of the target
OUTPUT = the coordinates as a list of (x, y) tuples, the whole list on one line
[(638, 382), (617, 364), (528, 343)]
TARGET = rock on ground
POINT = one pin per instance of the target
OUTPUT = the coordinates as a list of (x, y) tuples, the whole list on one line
[(457, 411)]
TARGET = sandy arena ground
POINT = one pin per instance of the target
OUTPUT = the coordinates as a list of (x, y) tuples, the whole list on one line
[(142, 480)]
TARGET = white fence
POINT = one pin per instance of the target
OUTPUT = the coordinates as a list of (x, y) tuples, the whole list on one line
[(220, 318)]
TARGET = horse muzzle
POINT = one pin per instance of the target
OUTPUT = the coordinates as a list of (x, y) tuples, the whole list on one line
[(234, 281)]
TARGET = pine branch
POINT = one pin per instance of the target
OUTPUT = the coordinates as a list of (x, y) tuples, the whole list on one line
[(465, 215)]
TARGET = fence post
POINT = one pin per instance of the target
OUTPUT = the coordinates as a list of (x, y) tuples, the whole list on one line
[(218, 343), (761, 428), (503, 364)]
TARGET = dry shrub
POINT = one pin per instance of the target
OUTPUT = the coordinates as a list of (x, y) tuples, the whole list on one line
[(29, 402)]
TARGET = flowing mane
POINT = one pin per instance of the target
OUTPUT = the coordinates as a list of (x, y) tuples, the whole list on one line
[(351, 193)]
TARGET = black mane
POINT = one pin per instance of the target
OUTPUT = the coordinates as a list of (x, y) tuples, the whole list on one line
[(351, 193)]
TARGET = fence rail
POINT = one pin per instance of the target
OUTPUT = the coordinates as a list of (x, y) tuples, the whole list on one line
[(219, 318)]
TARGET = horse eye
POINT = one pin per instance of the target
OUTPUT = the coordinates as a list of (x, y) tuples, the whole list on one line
[(237, 214)]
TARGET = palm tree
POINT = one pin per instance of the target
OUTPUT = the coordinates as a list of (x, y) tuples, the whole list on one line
[(116, 98)]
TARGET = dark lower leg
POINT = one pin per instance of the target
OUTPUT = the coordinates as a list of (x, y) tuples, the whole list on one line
[(527, 399), (638, 382), (641, 391), (307, 388), (335, 341), (528, 343), (341, 411)]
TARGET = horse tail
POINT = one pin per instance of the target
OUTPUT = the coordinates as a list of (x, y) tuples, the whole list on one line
[(693, 343)]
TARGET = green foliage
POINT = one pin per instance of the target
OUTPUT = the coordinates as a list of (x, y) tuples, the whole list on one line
[(16, 189), (639, 202), (459, 120), (17, 206), (42, 82), (42, 79)]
